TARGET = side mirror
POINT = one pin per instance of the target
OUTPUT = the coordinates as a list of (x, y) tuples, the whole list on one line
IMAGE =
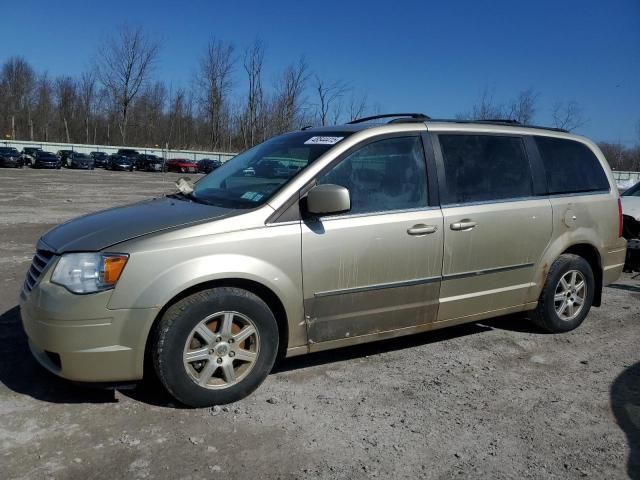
[(327, 199)]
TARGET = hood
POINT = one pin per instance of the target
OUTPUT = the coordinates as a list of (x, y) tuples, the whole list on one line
[(631, 206), (100, 230)]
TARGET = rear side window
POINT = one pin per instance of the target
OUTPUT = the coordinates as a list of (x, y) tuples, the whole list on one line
[(571, 167), (484, 167)]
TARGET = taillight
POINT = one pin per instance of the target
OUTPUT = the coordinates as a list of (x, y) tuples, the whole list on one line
[(620, 220)]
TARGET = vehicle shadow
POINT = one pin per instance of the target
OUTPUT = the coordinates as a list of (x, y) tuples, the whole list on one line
[(625, 403), (628, 288), (20, 372)]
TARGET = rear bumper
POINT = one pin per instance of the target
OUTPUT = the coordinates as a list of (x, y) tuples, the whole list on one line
[(613, 264), (76, 337)]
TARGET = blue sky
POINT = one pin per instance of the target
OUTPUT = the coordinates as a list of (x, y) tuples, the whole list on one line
[(433, 57)]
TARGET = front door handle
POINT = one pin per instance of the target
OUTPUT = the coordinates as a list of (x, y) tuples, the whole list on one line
[(422, 229), (464, 225)]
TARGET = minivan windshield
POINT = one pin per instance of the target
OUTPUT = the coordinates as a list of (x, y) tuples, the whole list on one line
[(252, 177)]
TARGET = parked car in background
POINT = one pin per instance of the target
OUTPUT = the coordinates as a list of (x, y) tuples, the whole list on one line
[(63, 155), (208, 165), (631, 216), (100, 159), (119, 162), (28, 154), (80, 161), (128, 152), (10, 158), (147, 162), (44, 159), (181, 165)]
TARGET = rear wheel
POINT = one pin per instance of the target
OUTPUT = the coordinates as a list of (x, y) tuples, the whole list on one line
[(567, 295), (215, 346)]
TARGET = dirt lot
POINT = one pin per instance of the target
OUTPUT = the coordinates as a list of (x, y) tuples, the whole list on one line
[(492, 400)]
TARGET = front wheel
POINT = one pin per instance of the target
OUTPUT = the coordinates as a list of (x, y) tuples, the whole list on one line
[(567, 295), (215, 347)]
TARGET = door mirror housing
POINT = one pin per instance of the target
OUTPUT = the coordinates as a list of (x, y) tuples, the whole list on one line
[(328, 199)]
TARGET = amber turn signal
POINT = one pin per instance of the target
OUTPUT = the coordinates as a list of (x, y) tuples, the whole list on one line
[(113, 266)]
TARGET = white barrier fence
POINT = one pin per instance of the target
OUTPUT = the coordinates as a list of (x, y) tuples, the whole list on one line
[(626, 180), (109, 149)]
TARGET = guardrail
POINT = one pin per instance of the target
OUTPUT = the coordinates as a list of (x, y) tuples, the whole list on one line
[(167, 154)]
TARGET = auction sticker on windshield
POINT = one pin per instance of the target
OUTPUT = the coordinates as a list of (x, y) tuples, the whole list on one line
[(323, 140)]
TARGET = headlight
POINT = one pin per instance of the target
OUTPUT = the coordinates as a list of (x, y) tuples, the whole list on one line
[(89, 272)]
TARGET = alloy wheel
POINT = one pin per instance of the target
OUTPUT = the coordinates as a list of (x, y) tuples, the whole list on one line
[(221, 350)]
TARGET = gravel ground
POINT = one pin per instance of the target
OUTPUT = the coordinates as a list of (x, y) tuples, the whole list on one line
[(496, 399)]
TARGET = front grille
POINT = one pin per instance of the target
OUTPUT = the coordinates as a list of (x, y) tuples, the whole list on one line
[(40, 261)]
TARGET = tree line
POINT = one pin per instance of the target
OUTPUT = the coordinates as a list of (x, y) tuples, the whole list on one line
[(119, 100)]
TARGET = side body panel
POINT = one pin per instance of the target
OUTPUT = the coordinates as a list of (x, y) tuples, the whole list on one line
[(587, 220), (365, 274), (490, 266)]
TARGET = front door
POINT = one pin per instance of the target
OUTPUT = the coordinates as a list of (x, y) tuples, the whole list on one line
[(495, 228), (376, 268)]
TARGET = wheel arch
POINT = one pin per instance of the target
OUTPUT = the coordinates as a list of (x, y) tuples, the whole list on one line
[(592, 256), (263, 292)]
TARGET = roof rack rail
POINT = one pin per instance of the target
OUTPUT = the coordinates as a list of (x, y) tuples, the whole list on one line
[(512, 123), (405, 116)]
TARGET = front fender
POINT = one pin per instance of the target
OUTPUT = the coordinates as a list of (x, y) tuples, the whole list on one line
[(159, 290), (268, 256)]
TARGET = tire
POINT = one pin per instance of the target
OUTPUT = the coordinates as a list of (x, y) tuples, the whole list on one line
[(546, 315), (201, 382)]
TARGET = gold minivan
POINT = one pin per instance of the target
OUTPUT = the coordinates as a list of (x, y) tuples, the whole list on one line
[(323, 238)]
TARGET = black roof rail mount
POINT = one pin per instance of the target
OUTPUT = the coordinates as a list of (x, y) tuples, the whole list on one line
[(401, 117), (510, 121)]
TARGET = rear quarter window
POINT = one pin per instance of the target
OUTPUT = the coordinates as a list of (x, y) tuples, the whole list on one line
[(570, 166), (480, 168)]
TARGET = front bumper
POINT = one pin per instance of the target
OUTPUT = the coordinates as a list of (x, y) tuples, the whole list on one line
[(46, 165), (10, 163), (78, 338)]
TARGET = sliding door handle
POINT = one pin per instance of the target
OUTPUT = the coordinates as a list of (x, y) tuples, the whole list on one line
[(422, 229), (464, 225)]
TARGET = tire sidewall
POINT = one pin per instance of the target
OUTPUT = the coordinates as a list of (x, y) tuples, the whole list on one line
[(169, 359), (567, 264)]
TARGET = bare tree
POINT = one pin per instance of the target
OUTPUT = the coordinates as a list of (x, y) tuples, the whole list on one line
[(87, 94), (44, 106), (356, 106), (523, 107), (252, 63), (17, 80), (486, 108), (288, 97), (328, 95), (567, 115), (214, 84), (124, 64), (65, 92)]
